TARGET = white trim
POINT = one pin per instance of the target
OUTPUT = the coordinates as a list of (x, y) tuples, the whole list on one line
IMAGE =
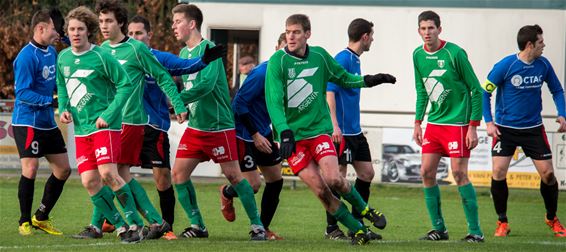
[(529, 127), (25, 125)]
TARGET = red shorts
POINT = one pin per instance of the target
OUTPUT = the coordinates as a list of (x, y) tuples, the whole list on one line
[(219, 146), (131, 144), (447, 140), (309, 149), (102, 147)]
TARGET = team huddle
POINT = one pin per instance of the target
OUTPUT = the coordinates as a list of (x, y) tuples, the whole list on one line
[(117, 96)]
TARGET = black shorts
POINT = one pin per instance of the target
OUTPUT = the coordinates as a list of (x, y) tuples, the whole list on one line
[(353, 148), (36, 143), (250, 157), (155, 149), (533, 141)]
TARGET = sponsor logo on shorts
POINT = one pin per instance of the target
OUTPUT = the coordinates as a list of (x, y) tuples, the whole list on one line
[(453, 147), (81, 160), (183, 147), (425, 142), (322, 148), (297, 158), (218, 151), (102, 151)]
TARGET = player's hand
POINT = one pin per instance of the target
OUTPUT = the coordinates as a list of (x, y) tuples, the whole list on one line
[(181, 118), (418, 134), (376, 79), (66, 117), (288, 146), (471, 138), (562, 121), (337, 135), (492, 130), (211, 54), (101, 124), (261, 143)]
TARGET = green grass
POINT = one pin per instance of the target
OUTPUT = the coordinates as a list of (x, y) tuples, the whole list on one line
[(299, 219)]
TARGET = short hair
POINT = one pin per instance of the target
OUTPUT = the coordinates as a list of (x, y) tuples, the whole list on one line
[(357, 28), (300, 19), (41, 16), (244, 60), (528, 33), (143, 20), (86, 16), (429, 15), (191, 12), (281, 38), (116, 7)]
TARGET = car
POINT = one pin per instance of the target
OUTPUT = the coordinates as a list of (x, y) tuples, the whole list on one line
[(402, 163)]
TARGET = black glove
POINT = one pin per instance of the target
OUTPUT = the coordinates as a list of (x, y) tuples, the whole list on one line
[(287, 144), (376, 79), (211, 54)]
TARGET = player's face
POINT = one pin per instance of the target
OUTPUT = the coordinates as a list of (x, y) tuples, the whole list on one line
[(109, 25), (296, 38), (367, 40), (429, 32), (182, 27), (49, 35), (78, 34), (538, 47), (138, 32)]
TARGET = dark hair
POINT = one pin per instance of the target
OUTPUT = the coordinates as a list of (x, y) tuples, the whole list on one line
[(42, 16), (301, 19), (191, 11), (281, 38), (143, 20), (357, 28), (86, 16), (528, 33), (116, 7), (429, 15)]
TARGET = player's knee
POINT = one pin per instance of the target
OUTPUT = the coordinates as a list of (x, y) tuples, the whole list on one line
[(460, 177), (548, 177), (499, 173), (325, 195), (255, 186), (367, 175), (90, 183), (428, 174), (63, 174), (232, 178)]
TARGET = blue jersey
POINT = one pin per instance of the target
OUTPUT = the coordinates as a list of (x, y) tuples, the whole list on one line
[(347, 99), (518, 101), (34, 74), (250, 100), (154, 100)]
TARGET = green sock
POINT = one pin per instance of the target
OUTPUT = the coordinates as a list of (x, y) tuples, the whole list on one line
[(188, 199), (143, 204), (345, 217), (97, 218), (103, 202), (432, 199), (246, 195), (355, 199), (470, 204), (128, 205)]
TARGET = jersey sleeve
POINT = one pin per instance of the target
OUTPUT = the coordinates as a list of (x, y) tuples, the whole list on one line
[(274, 94), (555, 89), (422, 94), (495, 78), (163, 79), (63, 97), (23, 76), (208, 77), (467, 72), (252, 89), (339, 75), (345, 63), (119, 77), (177, 66)]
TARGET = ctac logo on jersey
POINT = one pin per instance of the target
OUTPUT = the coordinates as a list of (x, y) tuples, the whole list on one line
[(48, 70), (76, 90), (529, 81), (300, 92)]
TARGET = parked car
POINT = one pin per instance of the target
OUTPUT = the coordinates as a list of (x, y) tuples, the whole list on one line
[(403, 163)]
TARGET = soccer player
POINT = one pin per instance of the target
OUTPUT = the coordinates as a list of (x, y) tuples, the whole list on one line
[(519, 79), (344, 105), (444, 76), (155, 149), (210, 133), (92, 89), (35, 131), (295, 91), (256, 147)]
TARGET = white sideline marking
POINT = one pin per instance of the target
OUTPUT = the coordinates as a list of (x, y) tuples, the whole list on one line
[(61, 245)]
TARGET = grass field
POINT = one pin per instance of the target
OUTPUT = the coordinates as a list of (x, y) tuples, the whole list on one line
[(299, 219)]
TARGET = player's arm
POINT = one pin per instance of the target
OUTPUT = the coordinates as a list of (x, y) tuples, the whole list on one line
[(64, 114), (557, 95), (163, 79), (421, 104), (274, 95), (178, 66), (23, 75), (494, 78), (331, 100), (208, 77), (467, 72), (119, 77), (251, 89), (339, 75)]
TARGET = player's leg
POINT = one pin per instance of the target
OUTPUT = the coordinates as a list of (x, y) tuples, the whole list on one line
[(186, 194), (270, 197), (162, 177), (500, 193), (333, 231), (429, 164)]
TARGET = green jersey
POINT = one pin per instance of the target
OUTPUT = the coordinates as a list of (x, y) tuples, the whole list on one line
[(447, 80), (207, 93), (138, 62), (295, 91), (92, 84)]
